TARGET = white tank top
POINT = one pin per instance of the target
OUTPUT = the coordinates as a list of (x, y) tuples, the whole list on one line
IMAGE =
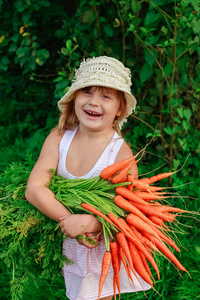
[(107, 157)]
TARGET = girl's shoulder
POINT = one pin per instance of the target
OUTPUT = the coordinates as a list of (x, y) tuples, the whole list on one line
[(55, 135), (124, 152)]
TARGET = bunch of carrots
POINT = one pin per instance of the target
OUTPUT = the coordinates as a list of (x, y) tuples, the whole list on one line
[(141, 231), (132, 215)]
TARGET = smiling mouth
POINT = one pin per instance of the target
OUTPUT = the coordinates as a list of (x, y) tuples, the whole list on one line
[(92, 113)]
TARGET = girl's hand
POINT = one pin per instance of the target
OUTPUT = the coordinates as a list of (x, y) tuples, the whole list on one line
[(89, 245), (78, 224)]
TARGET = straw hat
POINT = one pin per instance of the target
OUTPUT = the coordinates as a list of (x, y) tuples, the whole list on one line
[(102, 71)]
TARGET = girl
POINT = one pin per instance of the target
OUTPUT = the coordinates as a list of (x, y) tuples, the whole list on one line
[(86, 140)]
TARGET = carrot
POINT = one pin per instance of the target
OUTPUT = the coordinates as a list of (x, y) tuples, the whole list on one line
[(109, 171), (145, 263), (165, 209), (146, 253), (124, 245), (150, 210), (138, 264), (126, 266), (160, 176), (95, 211), (140, 224), (140, 185), (117, 178), (114, 286), (124, 192), (165, 238), (121, 224), (156, 177), (147, 196), (121, 255), (143, 239), (106, 262), (137, 243), (126, 205), (166, 252), (156, 220), (114, 249), (130, 178)]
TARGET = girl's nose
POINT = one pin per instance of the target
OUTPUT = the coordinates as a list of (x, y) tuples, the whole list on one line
[(94, 99)]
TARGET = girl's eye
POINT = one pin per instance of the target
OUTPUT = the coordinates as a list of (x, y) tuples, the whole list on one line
[(106, 96)]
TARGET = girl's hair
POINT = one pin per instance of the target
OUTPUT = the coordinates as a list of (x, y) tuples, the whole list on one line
[(68, 118)]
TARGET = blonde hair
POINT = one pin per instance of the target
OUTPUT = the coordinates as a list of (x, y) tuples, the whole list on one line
[(68, 118)]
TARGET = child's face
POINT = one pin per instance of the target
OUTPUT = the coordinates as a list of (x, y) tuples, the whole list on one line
[(97, 107)]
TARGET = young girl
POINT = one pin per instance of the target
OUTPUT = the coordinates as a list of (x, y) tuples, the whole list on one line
[(86, 140)]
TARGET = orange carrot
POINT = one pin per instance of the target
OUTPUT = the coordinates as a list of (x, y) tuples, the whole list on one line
[(156, 178), (95, 211), (121, 254), (117, 178), (145, 263), (140, 224), (114, 286), (165, 208), (143, 239), (138, 264), (109, 171), (126, 205), (166, 252), (140, 185), (124, 192), (156, 220), (146, 253), (114, 249), (165, 238), (159, 177), (147, 196), (124, 245), (121, 224), (130, 178), (150, 210), (106, 262)]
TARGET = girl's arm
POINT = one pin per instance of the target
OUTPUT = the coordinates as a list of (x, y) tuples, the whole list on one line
[(37, 192), (44, 200)]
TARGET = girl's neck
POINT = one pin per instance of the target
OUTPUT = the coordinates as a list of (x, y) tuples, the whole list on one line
[(105, 134)]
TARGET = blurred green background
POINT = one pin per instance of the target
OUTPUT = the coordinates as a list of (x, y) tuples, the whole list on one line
[(41, 45)]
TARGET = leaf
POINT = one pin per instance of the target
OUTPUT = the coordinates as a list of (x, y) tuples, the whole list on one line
[(149, 135), (157, 133), (69, 45), (197, 249), (175, 129), (64, 51), (59, 78), (149, 58), (135, 5), (177, 120), (168, 130), (75, 56), (168, 69), (180, 111), (176, 163), (108, 31), (187, 114), (186, 125), (145, 73)]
